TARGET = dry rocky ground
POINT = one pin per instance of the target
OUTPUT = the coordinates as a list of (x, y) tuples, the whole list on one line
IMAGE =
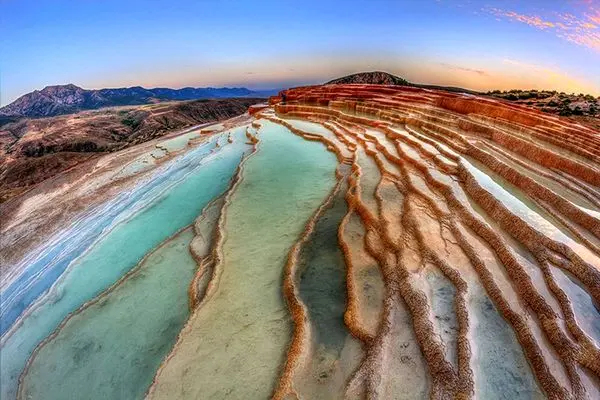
[(32, 150)]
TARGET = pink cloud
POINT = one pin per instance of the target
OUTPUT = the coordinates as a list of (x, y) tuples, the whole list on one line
[(582, 30), (532, 20), (595, 17), (588, 39)]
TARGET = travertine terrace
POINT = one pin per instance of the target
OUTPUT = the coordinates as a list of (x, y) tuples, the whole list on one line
[(369, 241), (502, 201)]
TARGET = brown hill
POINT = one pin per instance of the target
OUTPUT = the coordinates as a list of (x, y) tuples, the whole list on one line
[(32, 150), (372, 78)]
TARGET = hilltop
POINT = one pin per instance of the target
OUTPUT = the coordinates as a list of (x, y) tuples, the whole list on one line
[(372, 78)]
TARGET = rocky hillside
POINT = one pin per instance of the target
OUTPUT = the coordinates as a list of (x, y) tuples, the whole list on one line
[(32, 150), (67, 99), (373, 78)]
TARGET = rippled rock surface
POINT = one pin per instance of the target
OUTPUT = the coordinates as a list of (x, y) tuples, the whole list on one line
[(344, 241)]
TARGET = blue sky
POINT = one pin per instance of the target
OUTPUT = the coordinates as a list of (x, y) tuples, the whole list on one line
[(552, 44)]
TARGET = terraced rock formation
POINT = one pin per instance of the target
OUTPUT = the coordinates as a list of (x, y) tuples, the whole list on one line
[(365, 241), (466, 201)]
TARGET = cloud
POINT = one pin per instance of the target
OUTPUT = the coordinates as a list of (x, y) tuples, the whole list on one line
[(582, 30), (591, 40), (594, 17), (459, 68), (532, 20)]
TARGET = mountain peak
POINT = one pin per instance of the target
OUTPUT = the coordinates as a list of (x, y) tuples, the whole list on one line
[(57, 88), (372, 77)]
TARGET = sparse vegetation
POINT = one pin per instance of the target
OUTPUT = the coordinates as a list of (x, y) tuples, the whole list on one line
[(131, 122), (553, 102)]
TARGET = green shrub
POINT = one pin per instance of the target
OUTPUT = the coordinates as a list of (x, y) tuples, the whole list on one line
[(130, 122)]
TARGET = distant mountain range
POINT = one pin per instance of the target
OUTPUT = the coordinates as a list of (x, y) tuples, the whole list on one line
[(67, 99)]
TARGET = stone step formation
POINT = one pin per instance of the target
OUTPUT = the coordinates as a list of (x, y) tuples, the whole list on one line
[(365, 241)]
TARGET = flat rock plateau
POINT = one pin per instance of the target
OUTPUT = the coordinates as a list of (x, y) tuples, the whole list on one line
[(343, 241)]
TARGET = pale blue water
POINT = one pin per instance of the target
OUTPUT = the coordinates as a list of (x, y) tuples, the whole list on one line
[(234, 345), (502, 371), (43, 270), (120, 250), (116, 345)]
